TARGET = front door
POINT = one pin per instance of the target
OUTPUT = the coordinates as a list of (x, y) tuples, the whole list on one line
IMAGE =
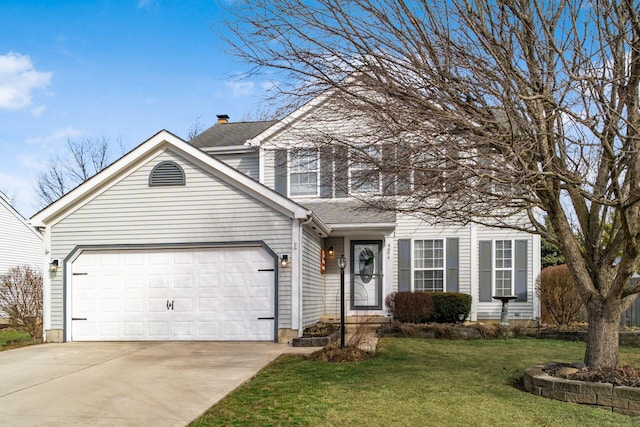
[(366, 277)]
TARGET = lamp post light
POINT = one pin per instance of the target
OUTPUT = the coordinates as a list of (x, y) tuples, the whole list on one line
[(342, 263)]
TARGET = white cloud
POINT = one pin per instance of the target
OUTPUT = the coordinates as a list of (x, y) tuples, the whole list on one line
[(38, 110), (18, 79), (240, 88), (58, 135)]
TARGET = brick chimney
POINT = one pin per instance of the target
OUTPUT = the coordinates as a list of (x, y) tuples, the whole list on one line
[(222, 119)]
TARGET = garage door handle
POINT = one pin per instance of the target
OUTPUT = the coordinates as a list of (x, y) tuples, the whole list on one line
[(266, 318), (169, 305)]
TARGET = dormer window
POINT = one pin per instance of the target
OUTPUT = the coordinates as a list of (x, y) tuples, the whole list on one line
[(166, 174), (303, 173)]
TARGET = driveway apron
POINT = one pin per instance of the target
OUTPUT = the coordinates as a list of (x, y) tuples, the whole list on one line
[(123, 384)]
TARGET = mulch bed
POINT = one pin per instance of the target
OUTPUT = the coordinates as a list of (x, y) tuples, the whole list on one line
[(333, 353), (622, 376)]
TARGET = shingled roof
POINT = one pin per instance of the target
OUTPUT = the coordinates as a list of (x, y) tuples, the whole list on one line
[(230, 134), (348, 212)]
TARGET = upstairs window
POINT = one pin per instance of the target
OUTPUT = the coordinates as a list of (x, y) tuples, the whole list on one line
[(303, 173), (365, 175), (166, 174)]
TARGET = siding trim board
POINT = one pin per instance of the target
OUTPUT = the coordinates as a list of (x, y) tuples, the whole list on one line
[(76, 251)]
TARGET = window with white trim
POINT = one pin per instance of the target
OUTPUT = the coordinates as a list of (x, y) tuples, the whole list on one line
[(364, 172), (503, 268), (428, 265), (303, 173)]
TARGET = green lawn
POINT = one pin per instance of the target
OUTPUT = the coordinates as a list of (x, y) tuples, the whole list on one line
[(414, 382), (12, 338)]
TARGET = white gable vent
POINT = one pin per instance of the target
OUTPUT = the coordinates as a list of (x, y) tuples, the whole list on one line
[(166, 174)]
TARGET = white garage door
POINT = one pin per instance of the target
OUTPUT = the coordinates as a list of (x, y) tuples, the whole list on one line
[(173, 294)]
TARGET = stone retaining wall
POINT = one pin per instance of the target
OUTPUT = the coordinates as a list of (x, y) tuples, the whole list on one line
[(629, 339), (625, 400)]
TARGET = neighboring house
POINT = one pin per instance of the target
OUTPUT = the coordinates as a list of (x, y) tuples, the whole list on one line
[(20, 243), (224, 238)]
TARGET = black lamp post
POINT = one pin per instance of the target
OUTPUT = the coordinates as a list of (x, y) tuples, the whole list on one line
[(342, 263)]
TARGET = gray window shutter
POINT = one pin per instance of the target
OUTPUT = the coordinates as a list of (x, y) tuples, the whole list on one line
[(404, 265), (486, 271), (341, 168), (388, 178), (281, 171), (521, 263), (453, 265), (326, 172)]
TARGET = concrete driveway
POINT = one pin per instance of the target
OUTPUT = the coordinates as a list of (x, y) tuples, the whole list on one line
[(123, 384)]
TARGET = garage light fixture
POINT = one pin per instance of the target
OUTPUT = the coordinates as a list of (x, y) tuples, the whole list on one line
[(54, 265), (331, 250), (284, 261)]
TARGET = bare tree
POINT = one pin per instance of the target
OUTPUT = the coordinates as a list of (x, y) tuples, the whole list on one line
[(488, 110), (21, 298), (85, 158)]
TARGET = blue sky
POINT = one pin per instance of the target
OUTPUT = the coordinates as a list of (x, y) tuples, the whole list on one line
[(115, 69)]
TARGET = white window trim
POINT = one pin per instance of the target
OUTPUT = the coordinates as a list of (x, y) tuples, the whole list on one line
[(290, 155), (495, 269), (444, 264)]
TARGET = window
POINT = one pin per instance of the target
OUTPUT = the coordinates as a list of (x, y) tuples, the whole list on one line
[(428, 265), (503, 267), (166, 174), (365, 174), (303, 173)]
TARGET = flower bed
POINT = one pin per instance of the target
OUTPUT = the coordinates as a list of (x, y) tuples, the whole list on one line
[(622, 399)]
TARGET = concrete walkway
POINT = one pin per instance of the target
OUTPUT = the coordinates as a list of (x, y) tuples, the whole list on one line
[(124, 384)]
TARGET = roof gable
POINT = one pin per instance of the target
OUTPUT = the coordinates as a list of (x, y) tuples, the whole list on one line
[(159, 142)]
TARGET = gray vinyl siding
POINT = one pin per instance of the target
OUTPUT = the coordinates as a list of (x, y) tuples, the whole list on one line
[(517, 310), (206, 209), (332, 277), (269, 173), (312, 280), (19, 243), (247, 163)]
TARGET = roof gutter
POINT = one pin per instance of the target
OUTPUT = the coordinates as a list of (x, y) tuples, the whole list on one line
[(364, 226)]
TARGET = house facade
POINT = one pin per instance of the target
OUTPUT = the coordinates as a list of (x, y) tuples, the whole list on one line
[(235, 235), (20, 243)]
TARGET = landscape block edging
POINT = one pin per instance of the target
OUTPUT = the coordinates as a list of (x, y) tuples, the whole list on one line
[(622, 399)]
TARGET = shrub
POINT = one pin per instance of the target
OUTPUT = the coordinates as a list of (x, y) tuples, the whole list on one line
[(560, 300), (447, 306), (390, 302), (413, 307), (21, 299)]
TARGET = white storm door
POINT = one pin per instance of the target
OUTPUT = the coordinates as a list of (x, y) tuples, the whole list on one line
[(366, 277)]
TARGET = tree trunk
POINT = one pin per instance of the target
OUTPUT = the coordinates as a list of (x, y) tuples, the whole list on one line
[(603, 334)]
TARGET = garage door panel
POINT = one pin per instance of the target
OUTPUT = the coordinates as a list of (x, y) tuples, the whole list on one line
[(181, 294)]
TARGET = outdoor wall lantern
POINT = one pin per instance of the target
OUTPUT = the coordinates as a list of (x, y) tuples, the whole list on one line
[(54, 265), (284, 261), (342, 263), (331, 250)]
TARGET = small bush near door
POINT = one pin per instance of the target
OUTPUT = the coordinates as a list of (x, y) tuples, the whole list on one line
[(448, 305), (412, 307), (21, 299), (559, 298)]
